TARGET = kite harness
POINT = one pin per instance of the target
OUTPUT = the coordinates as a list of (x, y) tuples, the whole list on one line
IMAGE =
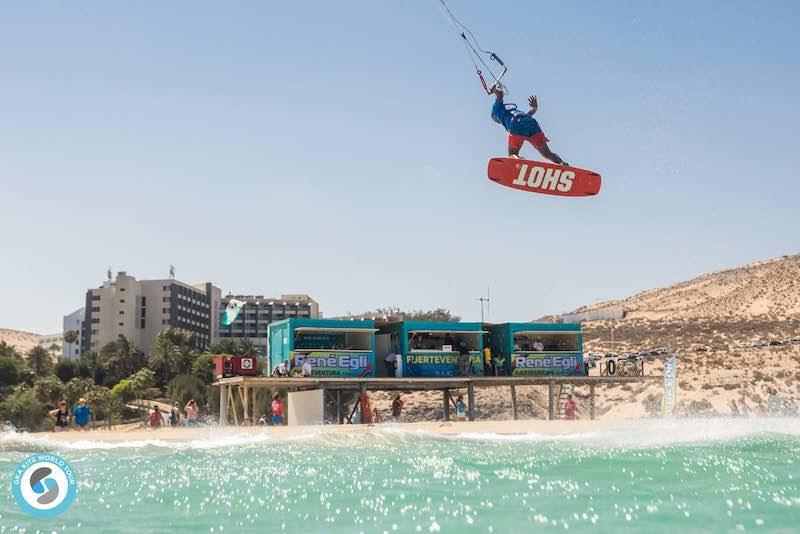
[(475, 52)]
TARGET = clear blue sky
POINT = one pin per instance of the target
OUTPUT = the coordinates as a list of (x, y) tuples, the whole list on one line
[(339, 149)]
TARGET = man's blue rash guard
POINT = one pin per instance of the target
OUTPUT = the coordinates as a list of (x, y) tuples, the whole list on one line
[(515, 122)]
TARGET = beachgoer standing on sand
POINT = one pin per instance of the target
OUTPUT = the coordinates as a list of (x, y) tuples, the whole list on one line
[(366, 409), (569, 409), (61, 415), (82, 415), (397, 408), (376, 415), (191, 413), (461, 409), (277, 410), (155, 420), (175, 415)]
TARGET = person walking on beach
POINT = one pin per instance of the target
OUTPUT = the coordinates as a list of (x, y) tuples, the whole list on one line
[(366, 409), (397, 408), (82, 415), (569, 409), (155, 420), (461, 409), (175, 415), (61, 415), (277, 410), (191, 413)]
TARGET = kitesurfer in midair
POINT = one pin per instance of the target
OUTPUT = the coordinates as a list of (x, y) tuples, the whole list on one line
[(521, 126)]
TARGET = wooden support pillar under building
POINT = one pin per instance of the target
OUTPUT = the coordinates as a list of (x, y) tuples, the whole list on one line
[(223, 405), (551, 393), (243, 395), (446, 403), (514, 402), (471, 401), (232, 401), (591, 401), (365, 417), (256, 416), (339, 415)]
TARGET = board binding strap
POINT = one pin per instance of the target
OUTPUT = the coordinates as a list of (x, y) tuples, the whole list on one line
[(544, 178)]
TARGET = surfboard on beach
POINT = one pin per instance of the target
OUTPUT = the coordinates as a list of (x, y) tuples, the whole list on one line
[(544, 178)]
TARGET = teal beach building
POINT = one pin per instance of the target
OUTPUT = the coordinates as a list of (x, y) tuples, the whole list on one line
[(538, 349), (430, 348), (334, 348)]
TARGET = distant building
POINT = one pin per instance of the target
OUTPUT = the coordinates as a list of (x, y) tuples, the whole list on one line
[(140, 309), (48, 341), (259, 311), (74, 322)]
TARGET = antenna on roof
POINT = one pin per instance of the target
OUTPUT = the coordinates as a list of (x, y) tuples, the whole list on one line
[(108, 273), (172, 272), (487, 300)]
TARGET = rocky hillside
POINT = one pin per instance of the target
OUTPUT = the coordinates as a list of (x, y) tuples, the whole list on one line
[(766, 291), (23, 341)]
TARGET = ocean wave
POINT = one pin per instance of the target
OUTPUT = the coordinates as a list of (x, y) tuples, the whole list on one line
[(660, 432), (628, 434)]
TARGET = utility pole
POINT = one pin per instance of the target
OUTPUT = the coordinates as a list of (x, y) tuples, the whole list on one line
[(487, 300)]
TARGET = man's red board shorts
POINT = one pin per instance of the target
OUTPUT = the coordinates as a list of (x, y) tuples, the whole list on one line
[(538, 141)]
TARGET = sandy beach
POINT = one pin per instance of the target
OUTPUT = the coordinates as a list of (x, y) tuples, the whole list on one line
[(532, 426)]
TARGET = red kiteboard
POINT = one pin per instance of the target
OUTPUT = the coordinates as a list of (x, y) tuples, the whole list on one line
[(545, 178)]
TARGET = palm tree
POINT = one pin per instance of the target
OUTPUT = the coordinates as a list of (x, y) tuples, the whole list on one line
[(163, 355), (70, 336), (247, 347), (40, 360)]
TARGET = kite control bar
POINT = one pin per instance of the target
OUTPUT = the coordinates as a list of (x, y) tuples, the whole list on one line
[(492, 56), (474, 50)]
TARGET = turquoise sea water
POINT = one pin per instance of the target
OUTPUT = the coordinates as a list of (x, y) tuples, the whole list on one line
[(679, 476)]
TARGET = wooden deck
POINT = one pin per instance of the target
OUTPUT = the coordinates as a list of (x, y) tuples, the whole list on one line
[(244, 385)]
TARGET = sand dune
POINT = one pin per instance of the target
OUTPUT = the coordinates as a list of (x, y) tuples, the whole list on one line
[(23, 341)]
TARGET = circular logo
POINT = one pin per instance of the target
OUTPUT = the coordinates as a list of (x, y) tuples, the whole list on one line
[(44, 485), (247, 363)]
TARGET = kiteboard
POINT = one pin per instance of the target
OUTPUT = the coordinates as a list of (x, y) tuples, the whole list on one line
[(544, 178)]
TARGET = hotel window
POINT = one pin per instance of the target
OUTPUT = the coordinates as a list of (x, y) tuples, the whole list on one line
[(122, 301), (122, 324), (122, 312), (95, 297)]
